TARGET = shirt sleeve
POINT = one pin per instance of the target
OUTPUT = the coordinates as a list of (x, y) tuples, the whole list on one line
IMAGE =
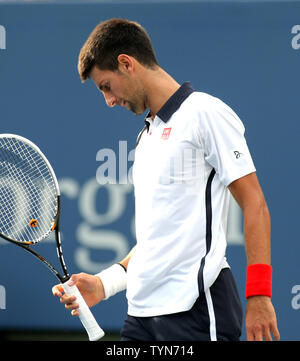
[(222, 136)]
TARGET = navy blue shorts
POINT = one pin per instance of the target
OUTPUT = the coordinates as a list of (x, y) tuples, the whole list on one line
[(217, 317)]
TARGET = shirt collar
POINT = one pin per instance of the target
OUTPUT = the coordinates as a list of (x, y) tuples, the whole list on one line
[(173, 103)]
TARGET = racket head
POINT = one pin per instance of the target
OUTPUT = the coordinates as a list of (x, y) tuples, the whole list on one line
[(29, 191)]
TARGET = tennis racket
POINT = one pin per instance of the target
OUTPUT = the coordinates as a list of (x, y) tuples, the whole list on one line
[(30, 210)]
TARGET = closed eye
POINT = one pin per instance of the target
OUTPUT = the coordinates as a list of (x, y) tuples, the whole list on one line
[(105, 87)]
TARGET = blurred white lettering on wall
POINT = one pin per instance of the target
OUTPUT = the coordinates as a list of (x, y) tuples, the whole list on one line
[(296, 299), (2, 298), (2, 37), (296, 39)]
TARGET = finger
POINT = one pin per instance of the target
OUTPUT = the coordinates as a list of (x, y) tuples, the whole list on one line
[(258, 334), (74, 279), (71, 306), (66, 299), (275, 333), (249, 334), (267, 335), (75, 313), (57, 290)]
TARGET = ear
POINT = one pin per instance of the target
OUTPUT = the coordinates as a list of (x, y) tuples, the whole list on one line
[(126, 63)]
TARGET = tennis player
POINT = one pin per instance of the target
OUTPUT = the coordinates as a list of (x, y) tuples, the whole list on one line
[(190, 155)]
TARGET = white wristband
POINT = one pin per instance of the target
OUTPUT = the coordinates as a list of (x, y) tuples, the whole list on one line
[(114, 280)]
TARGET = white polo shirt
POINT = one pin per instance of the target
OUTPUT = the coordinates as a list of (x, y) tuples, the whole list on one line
[(185, 159)]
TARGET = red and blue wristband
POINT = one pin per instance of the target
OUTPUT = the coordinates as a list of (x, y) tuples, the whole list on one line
[(259, 280)]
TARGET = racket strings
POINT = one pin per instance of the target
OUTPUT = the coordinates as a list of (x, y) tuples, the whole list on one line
[(38, 171), (27, 192), (20, 196), (22, 199)]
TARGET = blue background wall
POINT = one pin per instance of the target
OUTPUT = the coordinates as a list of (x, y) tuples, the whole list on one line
[(243, 52)]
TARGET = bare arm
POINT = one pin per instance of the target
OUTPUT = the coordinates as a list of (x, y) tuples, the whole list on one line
[(260, 314), (257, 224)]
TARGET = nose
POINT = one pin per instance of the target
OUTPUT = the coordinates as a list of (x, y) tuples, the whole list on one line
[(111, 101)]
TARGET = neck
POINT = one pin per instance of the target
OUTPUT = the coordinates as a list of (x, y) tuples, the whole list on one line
[(159, 87)]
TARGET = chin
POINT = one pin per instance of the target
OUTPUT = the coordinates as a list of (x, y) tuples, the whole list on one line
[(136, 108), (140, 111), (137, 111)]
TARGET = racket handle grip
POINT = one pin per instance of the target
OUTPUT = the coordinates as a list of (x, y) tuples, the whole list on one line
[(93, 330)]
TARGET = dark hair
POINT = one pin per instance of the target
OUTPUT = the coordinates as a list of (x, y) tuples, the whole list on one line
[(110, 39)]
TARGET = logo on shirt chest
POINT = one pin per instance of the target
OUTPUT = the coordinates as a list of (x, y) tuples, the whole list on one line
[(166, 133)]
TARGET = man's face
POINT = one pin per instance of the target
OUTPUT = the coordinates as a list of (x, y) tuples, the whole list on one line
[(119, 88)]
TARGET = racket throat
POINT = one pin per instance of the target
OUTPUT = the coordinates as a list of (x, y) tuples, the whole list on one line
[(64, 278)]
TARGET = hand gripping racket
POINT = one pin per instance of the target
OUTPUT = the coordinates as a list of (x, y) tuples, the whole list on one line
[(30, 210)]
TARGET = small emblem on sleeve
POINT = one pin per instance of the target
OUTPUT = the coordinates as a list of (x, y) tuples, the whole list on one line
[(237, 154)]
